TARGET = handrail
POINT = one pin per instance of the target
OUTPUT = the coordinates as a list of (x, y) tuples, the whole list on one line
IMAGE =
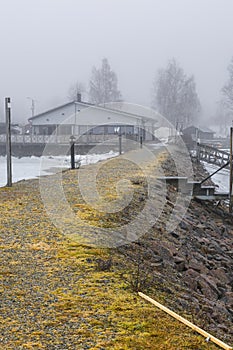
[(209, 176)]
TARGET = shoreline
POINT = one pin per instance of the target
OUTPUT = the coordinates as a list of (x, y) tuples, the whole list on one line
[(31, 168)]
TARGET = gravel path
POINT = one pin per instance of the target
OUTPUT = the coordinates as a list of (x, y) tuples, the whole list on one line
[(53, 296)]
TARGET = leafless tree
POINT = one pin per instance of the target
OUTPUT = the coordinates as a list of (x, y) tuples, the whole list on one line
[(222, 118), (227, 90), (103, 86), (175, 96)]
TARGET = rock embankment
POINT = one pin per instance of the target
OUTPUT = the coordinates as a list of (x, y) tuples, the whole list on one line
[(193, 263), (59, 294)]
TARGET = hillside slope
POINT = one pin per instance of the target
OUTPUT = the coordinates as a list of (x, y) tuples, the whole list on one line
[(59, 294)]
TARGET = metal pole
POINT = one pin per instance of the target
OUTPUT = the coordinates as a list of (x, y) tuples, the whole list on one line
[(72, 153), (198, 150), (141, 141), (231, 171), (8, 140), (120, 143), (75, 116), (32, 105), (209, 176)]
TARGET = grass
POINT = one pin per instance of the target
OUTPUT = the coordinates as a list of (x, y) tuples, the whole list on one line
[(53, 294)]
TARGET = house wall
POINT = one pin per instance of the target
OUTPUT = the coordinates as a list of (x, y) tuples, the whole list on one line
[(206, 135), (79, 119), (81, 115), (196, 133)]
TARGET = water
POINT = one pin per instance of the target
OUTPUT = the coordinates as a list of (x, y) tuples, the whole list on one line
[(221, 179), (30, 167)]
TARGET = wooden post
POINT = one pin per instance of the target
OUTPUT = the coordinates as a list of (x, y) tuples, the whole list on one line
[(186, 322), (8, 140), (72, 153), (231, 171)]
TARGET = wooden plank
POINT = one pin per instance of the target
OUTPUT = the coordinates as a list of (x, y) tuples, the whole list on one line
[(186, 322)]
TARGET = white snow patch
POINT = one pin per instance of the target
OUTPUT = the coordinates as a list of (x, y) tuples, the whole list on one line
[(30, 167), (163, 133), (221, 179)]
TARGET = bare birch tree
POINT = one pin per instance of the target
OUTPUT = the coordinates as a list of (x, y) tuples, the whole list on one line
[(175, 96), (103, 86), (227, 90)]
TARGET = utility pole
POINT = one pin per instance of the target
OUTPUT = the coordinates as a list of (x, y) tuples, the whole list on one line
[(8, 140), (32, 105), (231, 171)]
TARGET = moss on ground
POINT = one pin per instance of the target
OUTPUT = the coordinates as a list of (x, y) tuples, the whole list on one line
[(54, 296)]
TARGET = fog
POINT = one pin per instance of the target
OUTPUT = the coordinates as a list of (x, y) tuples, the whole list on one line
[(46, 46)]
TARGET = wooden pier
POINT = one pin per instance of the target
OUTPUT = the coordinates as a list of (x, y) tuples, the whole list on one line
[(212, 155)]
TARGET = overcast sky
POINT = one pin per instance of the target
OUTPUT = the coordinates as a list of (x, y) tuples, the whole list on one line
[(46, 45)]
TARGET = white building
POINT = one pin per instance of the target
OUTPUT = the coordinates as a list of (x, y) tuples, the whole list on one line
[(80, 118)]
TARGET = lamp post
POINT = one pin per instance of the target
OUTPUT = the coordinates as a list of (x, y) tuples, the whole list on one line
[(142, 132), (117, 130), (32, 105), (8, 140), (76, 111), (72, 152)]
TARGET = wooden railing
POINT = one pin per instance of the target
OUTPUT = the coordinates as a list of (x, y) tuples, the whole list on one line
[(212, 155)]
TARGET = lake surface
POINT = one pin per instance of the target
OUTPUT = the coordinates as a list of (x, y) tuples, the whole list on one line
[(30, 167)]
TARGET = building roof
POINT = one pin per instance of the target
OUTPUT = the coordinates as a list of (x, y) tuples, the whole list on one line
[(104, 108), (200, 128), (59, 107), (205, 129)]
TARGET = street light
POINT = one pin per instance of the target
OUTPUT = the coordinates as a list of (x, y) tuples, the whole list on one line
[(117, 130), (32, 105), (75, 131)]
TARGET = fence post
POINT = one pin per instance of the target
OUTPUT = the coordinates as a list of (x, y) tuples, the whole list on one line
[(72, 153), (231, 171), (8, 140)]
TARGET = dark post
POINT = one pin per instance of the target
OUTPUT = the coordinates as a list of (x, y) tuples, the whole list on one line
[(141, 138), (8, 140), (231, 171), (198, 150), (72, 154), (120, 143)]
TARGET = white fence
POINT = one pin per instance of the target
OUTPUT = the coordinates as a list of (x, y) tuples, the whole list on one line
[(60, 139), (36, 139)]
